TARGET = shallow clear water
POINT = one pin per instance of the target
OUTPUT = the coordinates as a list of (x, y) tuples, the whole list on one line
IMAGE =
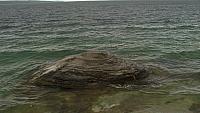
[(166, 34)]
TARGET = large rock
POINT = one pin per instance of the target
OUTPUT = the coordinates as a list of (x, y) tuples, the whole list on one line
[(89, 69)]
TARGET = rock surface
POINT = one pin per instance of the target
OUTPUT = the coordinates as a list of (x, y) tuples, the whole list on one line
[(89, 69)]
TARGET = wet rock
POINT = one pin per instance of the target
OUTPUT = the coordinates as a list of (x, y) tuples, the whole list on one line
[(88, 70)]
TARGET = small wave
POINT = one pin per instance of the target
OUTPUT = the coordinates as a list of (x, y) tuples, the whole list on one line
[(45, 32), (29, 51), (54, 24), (9, 26), (45, 54), (187, 90), (160, 27), (185, 26), (183, 55), (146, 27)]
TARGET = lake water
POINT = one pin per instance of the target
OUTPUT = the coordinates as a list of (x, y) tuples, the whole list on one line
[(166, 34)]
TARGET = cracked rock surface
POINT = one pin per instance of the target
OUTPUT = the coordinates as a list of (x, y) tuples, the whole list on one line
[(88, 70)]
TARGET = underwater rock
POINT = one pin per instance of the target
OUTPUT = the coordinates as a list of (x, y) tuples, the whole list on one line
[(88, 70), (195, 108)]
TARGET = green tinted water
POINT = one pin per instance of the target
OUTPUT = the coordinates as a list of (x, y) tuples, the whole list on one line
[(166, 34)]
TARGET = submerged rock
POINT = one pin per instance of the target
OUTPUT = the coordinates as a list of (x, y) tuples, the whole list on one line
[(90, 69)]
